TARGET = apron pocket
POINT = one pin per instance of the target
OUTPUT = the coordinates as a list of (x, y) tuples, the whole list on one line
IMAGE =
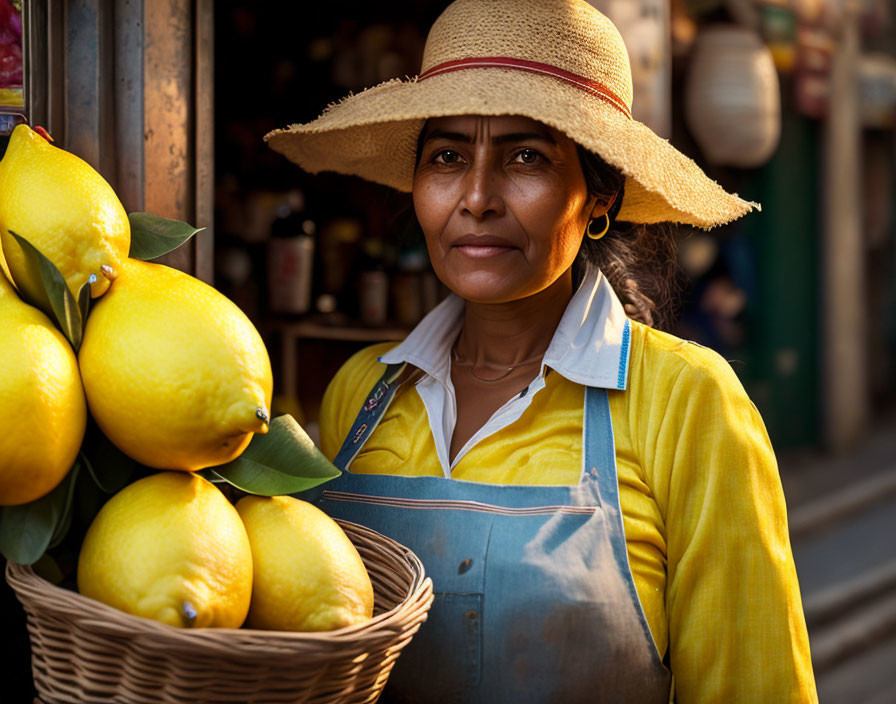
[(443, 661)]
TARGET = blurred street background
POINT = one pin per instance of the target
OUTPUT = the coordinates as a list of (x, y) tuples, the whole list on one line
[(791, 103)]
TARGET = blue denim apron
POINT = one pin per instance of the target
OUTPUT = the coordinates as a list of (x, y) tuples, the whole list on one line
[(534, 598)]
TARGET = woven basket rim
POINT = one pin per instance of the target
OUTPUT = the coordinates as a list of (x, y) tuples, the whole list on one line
[(99, 616)]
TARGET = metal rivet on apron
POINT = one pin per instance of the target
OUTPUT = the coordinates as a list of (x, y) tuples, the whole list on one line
[(465, 565), (359, 433), (472, 614)]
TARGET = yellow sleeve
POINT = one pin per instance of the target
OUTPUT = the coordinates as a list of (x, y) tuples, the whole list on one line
[(736, 627), (345, 395)]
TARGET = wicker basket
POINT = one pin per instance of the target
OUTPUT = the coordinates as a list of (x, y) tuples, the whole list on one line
[(84, 651)]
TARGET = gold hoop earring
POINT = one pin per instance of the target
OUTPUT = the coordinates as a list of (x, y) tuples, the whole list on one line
[(597, 235)]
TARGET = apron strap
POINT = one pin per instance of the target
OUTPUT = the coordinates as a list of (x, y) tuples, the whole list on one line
[(598, 447), (600, 466), (372, 411)]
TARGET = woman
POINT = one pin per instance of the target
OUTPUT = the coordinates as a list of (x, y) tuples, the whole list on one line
[(597, 502)]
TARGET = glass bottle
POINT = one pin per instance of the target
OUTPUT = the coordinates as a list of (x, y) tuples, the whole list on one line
[(290, 258)]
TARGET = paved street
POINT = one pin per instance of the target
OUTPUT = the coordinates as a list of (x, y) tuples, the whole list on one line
[(843, 528)]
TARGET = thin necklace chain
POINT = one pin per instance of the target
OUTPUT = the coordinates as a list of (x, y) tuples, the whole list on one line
[(456, 360)]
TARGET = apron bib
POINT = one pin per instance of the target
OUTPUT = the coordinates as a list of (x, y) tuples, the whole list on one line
[(534, 598)]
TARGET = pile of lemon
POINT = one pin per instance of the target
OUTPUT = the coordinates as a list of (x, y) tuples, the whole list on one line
[(178, 378), (171, 547)]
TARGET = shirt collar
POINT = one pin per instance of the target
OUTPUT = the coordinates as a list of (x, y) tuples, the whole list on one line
[(589, 347)]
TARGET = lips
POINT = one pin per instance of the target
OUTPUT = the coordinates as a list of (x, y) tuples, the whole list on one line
[(482, 241), (478, 246)]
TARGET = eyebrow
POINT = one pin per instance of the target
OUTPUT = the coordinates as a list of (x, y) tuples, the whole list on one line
[(499, 139)]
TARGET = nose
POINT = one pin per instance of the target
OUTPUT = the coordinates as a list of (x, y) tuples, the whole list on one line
[(481, 194)]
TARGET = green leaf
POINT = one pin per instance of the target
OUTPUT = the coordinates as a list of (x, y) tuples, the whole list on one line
[(27, 530), (152, 236), (57, 300), (84, 303), (64, 521), (282, 461), (211, 475), (109, 467)]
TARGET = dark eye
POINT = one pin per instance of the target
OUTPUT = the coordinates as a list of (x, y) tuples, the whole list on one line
[(527, 156), (446, 156)]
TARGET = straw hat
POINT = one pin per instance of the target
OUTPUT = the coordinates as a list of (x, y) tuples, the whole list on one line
[(560, 62)]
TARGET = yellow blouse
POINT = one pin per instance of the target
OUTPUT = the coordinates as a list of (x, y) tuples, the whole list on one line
[(702, 504)]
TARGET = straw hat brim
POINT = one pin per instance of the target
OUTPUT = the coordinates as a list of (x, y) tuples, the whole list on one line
[(374, 135)]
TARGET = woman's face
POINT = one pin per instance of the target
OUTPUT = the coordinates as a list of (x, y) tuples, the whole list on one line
[(503, 204)]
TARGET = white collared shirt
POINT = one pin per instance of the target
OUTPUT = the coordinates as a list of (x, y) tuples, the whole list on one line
[(589, 347)]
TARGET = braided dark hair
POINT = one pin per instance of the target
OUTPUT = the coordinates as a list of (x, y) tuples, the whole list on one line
[(640, 261)]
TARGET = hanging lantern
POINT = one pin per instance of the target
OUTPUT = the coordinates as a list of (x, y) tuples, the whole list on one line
[(732, 97)]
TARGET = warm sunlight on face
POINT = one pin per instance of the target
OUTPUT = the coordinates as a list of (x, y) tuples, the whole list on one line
[(503, 204)]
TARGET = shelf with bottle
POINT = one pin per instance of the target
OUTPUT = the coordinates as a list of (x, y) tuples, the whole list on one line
[(343, 279), (365, 285)]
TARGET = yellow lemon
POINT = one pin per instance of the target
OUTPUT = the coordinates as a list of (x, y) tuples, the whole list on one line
[(308, 575), (169, 547), (63, 207), (43, 413), (175, 374)]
